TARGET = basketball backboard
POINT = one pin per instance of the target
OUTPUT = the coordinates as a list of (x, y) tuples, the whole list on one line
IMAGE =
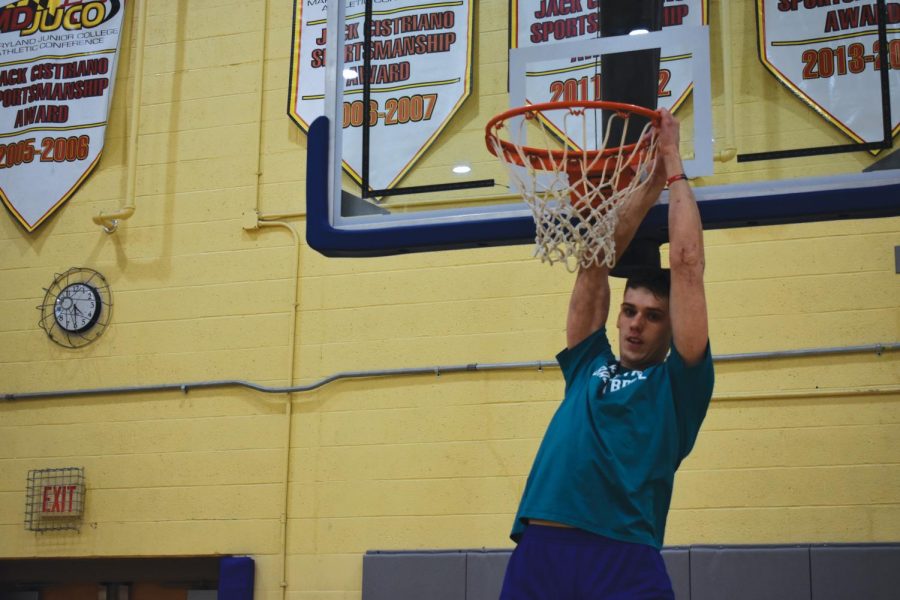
[(412, 173)]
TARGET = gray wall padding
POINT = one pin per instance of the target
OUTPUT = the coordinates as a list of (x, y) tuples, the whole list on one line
[(678, 565), (484, 575), (796, 572), (841, 572), (432, 575), (773, 573)]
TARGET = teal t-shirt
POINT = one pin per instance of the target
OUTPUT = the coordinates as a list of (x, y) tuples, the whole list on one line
[(608, 460)]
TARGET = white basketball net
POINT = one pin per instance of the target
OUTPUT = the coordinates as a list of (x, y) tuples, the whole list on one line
[(573, 197)]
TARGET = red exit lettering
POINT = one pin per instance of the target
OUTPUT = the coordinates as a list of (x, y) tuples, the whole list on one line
[(58, 499)]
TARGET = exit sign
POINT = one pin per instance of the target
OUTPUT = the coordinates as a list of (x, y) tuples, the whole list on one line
[(54, 499), (62, 500)]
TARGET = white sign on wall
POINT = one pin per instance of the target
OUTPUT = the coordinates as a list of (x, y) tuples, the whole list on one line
[(538, 22), (828, 55), (421, 72), (57, 72)]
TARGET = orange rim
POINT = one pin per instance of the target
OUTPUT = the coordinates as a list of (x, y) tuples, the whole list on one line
[(542, 158)]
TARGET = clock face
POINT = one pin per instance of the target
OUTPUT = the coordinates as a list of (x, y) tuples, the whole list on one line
[(77, 307)]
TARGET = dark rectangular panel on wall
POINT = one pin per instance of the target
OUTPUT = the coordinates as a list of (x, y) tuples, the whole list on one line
[(484, 574), (90, 570), (750, 573), (413, 576), (678, 565), (869, 572)]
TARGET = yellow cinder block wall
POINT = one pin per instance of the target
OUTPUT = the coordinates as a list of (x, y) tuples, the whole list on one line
[(793, 450)]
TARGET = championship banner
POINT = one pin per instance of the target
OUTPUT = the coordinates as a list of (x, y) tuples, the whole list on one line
[(421, 71), (57, 72), (537, 22), (828, 55)]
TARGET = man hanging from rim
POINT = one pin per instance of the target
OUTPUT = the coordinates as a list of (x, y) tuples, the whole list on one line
[(592, 517)]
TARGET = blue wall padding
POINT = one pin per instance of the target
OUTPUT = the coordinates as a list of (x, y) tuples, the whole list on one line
[(236, 575)]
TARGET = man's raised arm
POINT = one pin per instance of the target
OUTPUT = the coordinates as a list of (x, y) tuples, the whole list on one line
[(589, 303), (687, 302)]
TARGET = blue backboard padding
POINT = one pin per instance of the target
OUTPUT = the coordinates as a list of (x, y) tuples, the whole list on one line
[(749, 210), (236, 576), (332, 241)]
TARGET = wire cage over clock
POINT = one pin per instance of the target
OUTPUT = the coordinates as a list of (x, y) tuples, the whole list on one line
[(77, 307)]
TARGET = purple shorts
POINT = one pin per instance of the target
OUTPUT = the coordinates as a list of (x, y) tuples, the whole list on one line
[(554, 563)]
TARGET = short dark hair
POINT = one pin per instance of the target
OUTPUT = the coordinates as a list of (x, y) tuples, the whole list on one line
[(657, 281)]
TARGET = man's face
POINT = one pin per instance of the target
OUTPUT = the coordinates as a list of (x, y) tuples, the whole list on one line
[(645, 330)]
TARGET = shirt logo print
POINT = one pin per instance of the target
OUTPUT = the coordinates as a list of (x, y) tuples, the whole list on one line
[(613, 381)]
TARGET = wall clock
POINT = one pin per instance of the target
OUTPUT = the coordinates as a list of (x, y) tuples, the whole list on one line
[(76, 308)]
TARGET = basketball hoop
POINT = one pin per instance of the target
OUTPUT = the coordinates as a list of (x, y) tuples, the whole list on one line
[(574, 192)]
